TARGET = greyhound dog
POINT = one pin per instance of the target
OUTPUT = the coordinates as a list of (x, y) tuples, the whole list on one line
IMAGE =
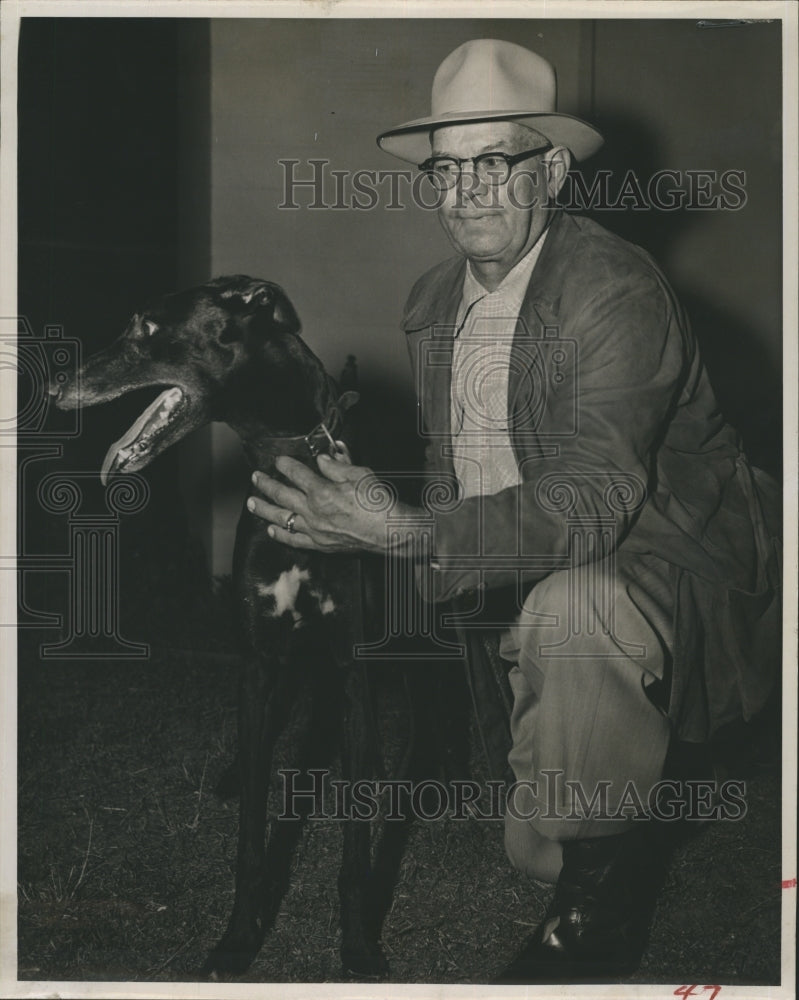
[(229, 350)]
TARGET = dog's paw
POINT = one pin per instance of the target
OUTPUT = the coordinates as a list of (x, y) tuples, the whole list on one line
[(222, 964), (232, 956), (365, 963)]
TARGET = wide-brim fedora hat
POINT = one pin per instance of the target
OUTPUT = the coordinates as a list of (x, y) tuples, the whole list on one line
[(486, 80)]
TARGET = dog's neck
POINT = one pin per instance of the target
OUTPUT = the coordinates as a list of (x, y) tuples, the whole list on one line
[(263, 448), (292, 426)]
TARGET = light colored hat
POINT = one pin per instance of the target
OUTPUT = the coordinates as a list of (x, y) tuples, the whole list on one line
[(485, 80)]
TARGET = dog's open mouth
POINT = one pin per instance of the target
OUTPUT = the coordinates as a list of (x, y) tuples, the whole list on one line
[(136, 446)]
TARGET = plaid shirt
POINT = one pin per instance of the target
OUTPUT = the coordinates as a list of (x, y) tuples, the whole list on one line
[(483, 455)]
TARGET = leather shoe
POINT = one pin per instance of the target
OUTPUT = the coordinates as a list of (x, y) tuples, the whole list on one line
[(596, 926)]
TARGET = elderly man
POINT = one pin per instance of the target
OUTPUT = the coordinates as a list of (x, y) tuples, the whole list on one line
[(596, 478)]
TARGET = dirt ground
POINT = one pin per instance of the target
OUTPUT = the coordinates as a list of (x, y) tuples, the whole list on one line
[(126, 856)]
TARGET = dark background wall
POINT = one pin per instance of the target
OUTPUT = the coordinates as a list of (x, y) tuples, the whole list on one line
[(679, 96), (149, 157), (98, 191)]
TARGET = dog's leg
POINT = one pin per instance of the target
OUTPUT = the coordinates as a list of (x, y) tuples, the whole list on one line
[(263, 708), (361, 955)]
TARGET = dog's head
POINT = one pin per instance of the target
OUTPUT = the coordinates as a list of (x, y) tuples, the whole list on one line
[(244, 298), (207, 349)]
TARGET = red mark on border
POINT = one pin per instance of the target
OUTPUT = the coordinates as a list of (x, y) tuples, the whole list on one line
[(789, 883), (688, 991)]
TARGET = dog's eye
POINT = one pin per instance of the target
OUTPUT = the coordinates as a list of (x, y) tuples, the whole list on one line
[(150, 328)]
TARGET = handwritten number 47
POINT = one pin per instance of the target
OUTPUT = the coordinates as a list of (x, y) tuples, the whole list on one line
[(690, 991)]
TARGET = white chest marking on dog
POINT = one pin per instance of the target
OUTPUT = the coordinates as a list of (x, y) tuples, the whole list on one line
[(285, 589), (325, 602)]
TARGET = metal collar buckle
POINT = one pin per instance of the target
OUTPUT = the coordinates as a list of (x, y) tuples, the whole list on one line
[(316, 444)]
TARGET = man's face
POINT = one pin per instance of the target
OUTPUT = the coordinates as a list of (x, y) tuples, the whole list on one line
[(493, 224)]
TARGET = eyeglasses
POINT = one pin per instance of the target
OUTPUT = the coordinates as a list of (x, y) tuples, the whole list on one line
[(493, 169)]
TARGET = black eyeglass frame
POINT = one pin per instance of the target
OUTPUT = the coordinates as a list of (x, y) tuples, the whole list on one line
[(428, 166)]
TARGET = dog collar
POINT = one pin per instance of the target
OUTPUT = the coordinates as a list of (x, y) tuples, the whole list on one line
[(319, 439)]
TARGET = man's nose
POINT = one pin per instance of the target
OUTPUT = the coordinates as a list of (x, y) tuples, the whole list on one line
[(470, 183)]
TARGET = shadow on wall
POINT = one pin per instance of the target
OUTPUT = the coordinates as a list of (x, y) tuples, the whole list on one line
[(747, 385), (616, 191)]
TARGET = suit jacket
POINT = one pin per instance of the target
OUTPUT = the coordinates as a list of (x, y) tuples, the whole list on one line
[(618, 436)]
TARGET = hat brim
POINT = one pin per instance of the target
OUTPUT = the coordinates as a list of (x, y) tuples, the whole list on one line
[(411, 141)]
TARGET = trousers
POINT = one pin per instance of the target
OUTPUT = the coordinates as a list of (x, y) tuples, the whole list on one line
[(588, 741)]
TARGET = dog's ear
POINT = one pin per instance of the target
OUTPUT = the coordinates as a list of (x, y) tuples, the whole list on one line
[(283, 312), (250, 295)]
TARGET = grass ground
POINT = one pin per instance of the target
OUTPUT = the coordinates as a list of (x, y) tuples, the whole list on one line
[(126, 856)]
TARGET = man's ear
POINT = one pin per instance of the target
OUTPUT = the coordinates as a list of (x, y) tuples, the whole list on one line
[(247, 296), (556, 163)]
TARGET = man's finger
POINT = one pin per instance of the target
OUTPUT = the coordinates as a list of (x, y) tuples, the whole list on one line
[(298, 540), (297, 473), (342, 453), (284, 496), (268, 511), (338, 472)]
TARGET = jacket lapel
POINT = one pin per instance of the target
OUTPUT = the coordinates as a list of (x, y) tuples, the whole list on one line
[(430, 326), (538, 316)]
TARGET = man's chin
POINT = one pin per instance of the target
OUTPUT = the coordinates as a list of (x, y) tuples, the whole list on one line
[(476, 240), (483, 252)]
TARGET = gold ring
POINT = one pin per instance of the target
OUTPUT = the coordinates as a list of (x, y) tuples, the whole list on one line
[(290, 524)]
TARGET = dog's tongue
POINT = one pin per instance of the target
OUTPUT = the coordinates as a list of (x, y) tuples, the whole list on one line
[(156, 414)]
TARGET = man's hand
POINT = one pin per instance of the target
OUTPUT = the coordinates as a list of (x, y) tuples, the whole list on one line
[(328, 513)]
